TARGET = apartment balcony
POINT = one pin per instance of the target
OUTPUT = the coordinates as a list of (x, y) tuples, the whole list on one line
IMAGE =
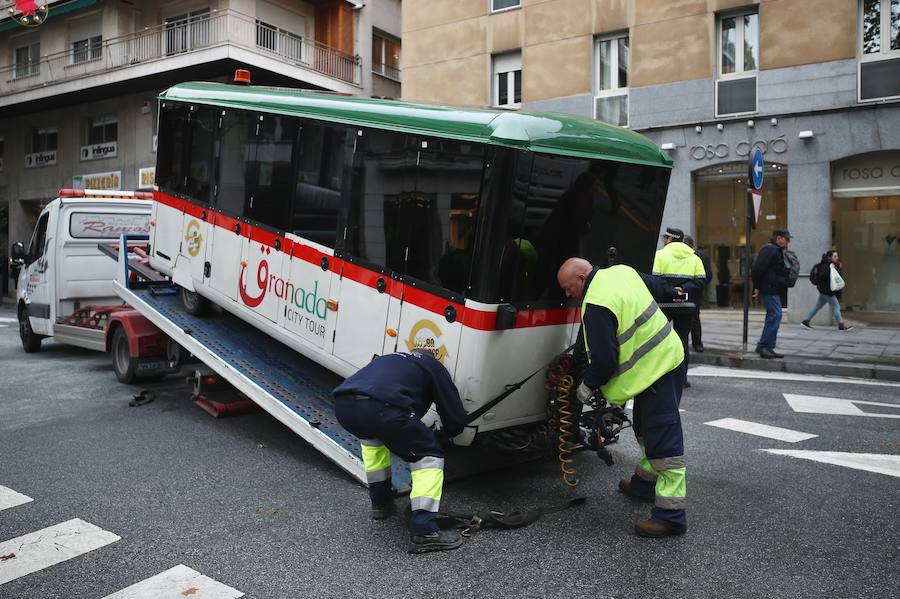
[(224, 35)]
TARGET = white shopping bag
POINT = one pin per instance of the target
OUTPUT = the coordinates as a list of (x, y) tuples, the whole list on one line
[(837, 281)]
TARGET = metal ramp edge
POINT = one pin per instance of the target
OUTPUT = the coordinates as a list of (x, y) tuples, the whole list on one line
[(287, 385)]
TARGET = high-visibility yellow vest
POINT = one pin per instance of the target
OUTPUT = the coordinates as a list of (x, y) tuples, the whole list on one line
[(678, 260), (648, 346)]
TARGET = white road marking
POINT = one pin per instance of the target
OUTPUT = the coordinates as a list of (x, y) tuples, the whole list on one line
[(761, 430), (814, 404), (43, 548), (10, 498), (176, 583), (871, 462), (4, 320), (723, 372)]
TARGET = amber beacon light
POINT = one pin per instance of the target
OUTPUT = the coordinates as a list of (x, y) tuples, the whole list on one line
[(242, 77)]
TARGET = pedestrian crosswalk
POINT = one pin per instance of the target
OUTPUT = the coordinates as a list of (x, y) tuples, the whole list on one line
[(35, 551)]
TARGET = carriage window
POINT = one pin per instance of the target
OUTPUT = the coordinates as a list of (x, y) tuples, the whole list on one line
[(202, 125), (238, 130), (274, 171), (441, 216), (317, 198), (383, 177), (171, 145)]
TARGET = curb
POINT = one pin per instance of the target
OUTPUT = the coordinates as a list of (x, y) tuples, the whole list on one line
[(795, 365)]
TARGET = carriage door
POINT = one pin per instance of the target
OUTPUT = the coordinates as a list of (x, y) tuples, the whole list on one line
[(438, 223), (203, 124), (228, 244), (383, 174), (271, 173)]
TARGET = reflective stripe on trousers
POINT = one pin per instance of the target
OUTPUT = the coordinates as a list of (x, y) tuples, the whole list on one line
[(643, 468), (376, 459), (427, 483), (669, 476)]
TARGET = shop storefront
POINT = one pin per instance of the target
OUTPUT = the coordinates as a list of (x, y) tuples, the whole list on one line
[(720, 204), (865, 221)]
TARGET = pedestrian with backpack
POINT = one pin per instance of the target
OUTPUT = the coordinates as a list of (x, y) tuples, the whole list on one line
[(774, 270), (828, 279)]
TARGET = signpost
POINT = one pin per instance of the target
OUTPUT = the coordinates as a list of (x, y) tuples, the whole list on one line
[(754, 201)]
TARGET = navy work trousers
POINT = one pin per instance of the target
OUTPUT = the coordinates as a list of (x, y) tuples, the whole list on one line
[(657, 424), (402, 432)]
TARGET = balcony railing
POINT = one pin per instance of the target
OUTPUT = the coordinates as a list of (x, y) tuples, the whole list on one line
[(386, 71), (180, 37)]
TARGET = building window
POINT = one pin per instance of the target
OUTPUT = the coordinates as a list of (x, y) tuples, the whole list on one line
[(87, 49), (498, 5), (611, 57), (103, 130), (27, 60), (279, 41), (507, 80), (738, 64), (43, 139), (879, 49), (187, 31), (385, 55)]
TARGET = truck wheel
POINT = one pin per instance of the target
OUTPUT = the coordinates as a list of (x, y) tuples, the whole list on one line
[(194, 303), (31, 341), (123, 363)]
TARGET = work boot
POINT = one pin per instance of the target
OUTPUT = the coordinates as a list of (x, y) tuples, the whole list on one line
[(382, 512), (845, 327), (806, 324), (699, 348), (766, 353), (626, 488), (442, 540), (655, 529), (776, 354)]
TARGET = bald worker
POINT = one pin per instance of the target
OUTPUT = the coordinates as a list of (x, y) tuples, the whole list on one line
[(633, 352)]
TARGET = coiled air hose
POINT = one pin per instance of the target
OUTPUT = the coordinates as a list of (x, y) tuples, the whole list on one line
[(560, 384)]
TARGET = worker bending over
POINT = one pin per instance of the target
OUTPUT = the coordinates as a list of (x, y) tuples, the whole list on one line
[(383, 404), (633, 352)]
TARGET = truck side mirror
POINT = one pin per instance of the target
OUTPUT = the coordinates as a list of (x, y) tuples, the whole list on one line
[(17, 251), (506, 317)]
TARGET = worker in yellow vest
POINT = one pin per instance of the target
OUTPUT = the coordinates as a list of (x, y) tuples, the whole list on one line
[(633, 352), (682, 268)]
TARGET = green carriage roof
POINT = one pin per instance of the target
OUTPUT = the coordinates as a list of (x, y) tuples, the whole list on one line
[(536, 131)]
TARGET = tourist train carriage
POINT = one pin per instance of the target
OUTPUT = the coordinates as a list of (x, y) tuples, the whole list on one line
[(348, 227)]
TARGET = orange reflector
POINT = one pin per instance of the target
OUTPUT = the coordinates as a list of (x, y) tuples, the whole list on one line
[(332, 305), (210, 380), (391, 333), (244, 263), (152, 223)]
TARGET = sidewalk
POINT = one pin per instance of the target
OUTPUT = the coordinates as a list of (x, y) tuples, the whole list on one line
[(866, 351)]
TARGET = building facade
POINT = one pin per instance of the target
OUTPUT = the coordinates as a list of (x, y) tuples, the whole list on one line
[(814, 84), (78, 92)]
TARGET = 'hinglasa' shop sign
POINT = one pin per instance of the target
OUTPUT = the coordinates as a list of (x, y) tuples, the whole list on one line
[(742, 149)]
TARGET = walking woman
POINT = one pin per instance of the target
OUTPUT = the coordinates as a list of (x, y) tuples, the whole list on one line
[(826, 276)]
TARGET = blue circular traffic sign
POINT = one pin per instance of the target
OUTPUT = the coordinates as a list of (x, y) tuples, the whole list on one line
[(756, 169)]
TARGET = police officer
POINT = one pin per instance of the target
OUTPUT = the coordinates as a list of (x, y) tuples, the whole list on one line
[(634, 352), (681, 267), (383, 404)]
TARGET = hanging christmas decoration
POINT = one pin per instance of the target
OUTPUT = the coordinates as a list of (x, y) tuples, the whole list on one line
[(29, 13)]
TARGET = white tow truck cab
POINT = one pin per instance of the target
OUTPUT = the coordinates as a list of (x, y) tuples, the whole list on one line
[(64, 287)]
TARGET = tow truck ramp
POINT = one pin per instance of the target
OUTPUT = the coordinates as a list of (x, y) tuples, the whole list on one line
[(290, 387)]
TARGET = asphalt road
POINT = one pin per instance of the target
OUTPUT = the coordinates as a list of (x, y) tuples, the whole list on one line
[(249, 504)]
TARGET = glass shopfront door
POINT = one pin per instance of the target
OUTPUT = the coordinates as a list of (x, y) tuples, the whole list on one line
[(720, 200)]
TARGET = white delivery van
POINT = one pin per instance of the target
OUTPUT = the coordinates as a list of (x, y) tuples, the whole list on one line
[(64, 285)]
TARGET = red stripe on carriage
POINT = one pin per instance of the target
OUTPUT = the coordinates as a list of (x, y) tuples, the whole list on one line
[(470, 317)]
